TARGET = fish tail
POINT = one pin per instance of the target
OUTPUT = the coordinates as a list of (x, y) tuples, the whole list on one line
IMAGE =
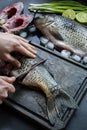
[(59, 97), (64, 99), (51, 110)]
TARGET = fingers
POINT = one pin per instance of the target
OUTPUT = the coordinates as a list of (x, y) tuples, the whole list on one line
[(8, 79), (21, 49), (6, 87), (29, 47), (11, 88), (26, 45), (20, 38), (7, 84), (12, 60), (14, 43), (25, 52), (25, 42), (4, 94), (1, 101)]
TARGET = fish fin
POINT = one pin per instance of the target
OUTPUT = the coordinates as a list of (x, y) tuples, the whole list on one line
[(52, 115), (65, 99), (63, 45), (59, 98), (58, 108), (49, 70), (51, 73), (53, 111), (56, 34), (81, 53)]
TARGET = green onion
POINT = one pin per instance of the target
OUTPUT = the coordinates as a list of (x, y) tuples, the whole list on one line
[(58, 7)]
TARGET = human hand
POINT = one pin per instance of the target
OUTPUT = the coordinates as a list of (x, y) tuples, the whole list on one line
[(6, 87), (12, 43)]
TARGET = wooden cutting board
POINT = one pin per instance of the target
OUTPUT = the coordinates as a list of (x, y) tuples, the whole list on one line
[(32, 103)]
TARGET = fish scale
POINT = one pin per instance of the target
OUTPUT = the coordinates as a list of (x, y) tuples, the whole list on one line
[(40, 77), (73, 34)]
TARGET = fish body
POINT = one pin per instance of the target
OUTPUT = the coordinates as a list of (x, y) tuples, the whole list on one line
[(64, 33), (40, 77)]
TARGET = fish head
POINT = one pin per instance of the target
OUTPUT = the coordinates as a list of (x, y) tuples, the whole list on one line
[(48, 25), (44, 20)]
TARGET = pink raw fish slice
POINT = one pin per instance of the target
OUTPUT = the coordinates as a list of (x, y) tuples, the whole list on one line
[(10, 11), (18, 23)]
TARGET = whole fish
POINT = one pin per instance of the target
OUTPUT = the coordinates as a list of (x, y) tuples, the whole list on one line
[(64, 33), (40, 77)]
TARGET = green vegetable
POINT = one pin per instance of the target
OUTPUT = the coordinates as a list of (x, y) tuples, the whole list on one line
[(69, 13), (58, 7), (81, 17)]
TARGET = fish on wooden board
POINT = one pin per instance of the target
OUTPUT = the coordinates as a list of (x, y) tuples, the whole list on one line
[(64, 33), (38, 76)]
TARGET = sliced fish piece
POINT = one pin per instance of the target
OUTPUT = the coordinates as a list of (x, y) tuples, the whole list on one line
[(11, 11), (18, 23)]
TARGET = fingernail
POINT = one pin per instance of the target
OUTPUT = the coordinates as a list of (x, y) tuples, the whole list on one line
[(35, 52), (34, 56), (13, 77)]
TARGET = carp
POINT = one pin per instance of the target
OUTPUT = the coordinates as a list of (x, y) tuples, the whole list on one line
[(64, 33)]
